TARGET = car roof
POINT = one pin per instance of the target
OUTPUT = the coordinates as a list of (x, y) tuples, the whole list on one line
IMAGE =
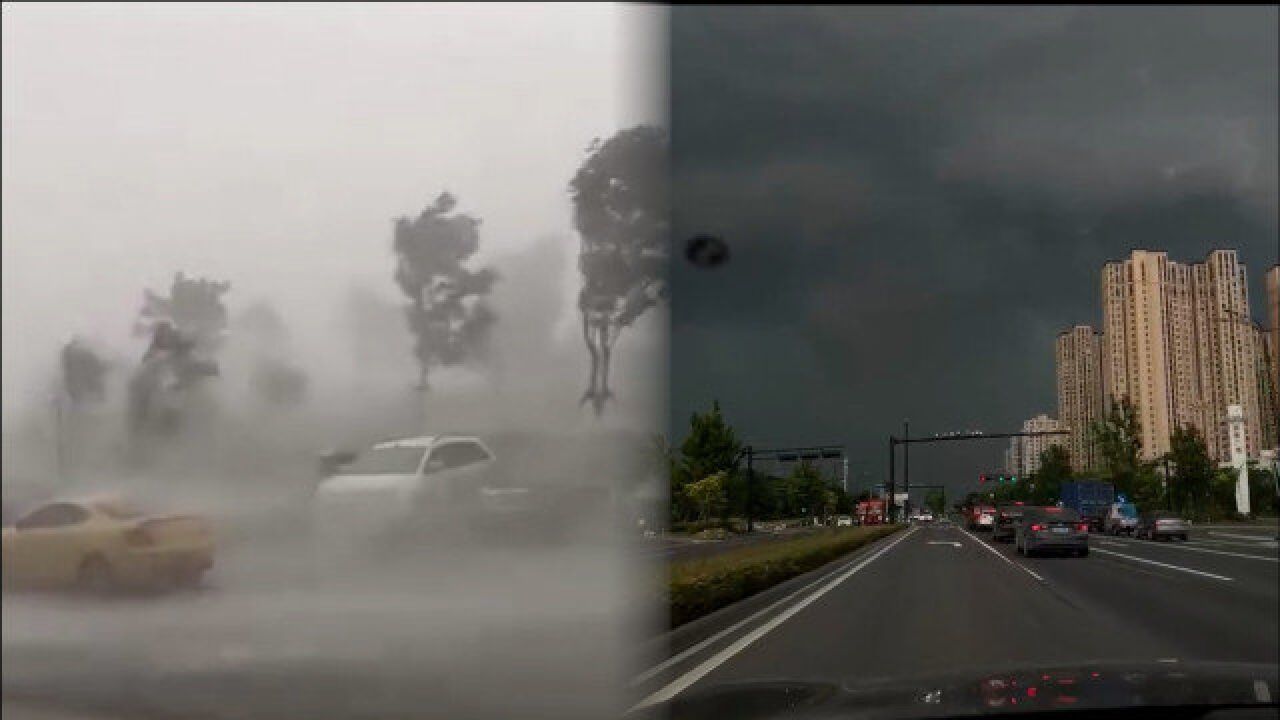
[(87, 501), (425, 441)]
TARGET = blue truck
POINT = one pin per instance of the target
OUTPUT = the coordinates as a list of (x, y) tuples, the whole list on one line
[(1091, 498)]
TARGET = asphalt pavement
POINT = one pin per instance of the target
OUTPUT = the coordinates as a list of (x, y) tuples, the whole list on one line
[(938, 598), (494, 632)]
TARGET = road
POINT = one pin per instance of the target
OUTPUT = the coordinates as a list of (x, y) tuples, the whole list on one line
[(521, 632), (937, 598), (531, 633)]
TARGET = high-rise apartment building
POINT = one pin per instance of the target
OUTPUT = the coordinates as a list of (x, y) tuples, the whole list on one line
[(1228, 350), (1149, 344), (1078, 364), (1028, 449), (1273, 330), (1178, 342), (1268, 395)]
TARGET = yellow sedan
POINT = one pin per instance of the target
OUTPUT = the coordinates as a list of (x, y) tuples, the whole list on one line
[(101, 544)]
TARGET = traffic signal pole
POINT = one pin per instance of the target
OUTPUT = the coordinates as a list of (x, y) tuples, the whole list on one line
[(906, 469), (906, 440), (891, 514)]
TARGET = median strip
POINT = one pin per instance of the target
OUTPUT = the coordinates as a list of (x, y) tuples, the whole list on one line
[(695, 649), (700, 586), (1164, 565), (684, 681)]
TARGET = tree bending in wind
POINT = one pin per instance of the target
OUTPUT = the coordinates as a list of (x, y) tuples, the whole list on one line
[(447, 313), (621, 212), (186, 327)]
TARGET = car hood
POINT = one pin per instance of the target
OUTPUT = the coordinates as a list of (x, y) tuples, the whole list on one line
[(1023, 689)]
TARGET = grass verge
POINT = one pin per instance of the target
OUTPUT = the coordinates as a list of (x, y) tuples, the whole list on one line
[(701, 586)]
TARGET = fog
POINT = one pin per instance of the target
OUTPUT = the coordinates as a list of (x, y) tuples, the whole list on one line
[(271, 148)]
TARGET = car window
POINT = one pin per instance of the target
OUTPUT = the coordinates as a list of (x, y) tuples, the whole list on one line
[(456, 455), (53, 516), (385, 461), (117, 510)]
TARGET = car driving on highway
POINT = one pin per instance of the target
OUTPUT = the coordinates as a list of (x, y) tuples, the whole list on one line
[(1006, 520), (102, 544), (1160, 525), (431, 481), (1052, 529), (982, 517), (1121, 519)]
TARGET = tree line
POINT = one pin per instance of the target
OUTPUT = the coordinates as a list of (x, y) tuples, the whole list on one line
[(708, 483), (1184, 480)]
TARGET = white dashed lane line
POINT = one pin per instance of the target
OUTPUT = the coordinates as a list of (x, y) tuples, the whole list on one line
[(1135, 558), (998, 554), (1192, 548)]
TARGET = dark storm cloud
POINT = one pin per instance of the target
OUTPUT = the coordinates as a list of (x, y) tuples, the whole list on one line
[(919, 199)]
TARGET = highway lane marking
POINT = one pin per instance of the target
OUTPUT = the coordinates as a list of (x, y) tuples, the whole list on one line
[(1198, 549), (1235, 544), (693, 650), (1164, 565), (998, 554), (683, 682), (949, 542), (1238, 536)]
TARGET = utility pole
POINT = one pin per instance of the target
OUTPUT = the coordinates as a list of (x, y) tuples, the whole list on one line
[(750, 479), (906, 468), (891, 512)]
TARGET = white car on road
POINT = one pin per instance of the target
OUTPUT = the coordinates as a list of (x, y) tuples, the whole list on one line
[(423, 481)]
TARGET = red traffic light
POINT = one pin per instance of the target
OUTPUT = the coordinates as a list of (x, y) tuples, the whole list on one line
[(982, 479)]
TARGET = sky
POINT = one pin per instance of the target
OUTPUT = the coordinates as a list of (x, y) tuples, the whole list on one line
[(272, 146), (918, 199)]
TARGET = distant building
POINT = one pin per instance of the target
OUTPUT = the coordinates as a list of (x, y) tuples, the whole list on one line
[(1179, 344), (1268, 393), (1028, 449), (1078, 364), (1271, 348), (1012, 458)]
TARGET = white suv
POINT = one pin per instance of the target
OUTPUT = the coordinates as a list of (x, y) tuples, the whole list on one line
[(1121, 519), (431, 481)]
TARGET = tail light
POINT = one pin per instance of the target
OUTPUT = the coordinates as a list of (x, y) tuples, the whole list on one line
[(1083, 527), (1037, 528), (139, 536)]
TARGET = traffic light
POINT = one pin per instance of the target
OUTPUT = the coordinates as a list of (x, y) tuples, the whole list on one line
[(982, 479)]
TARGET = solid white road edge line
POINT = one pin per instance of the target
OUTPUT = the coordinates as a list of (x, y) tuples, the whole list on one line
[(693, 650), (681, 683), (1164, 565), (1137, 543), (996, 552)]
